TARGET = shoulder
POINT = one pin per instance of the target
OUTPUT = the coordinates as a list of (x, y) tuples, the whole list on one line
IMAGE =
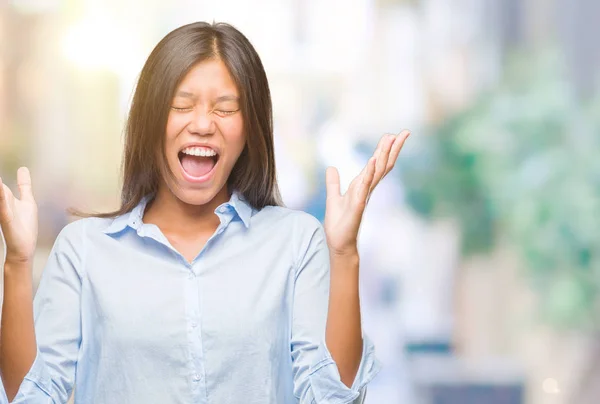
[(79, 229), (304, 231), (295, 219), (74, 240)]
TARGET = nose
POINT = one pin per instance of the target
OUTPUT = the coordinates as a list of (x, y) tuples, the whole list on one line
[(202, 123)]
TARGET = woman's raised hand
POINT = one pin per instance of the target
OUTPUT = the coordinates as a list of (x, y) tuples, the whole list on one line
[(19, 220)]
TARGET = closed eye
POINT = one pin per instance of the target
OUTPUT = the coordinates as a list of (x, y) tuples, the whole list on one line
[(222, 112), (178, 109)]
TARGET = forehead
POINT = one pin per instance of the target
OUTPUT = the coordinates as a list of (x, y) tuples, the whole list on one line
[(209, 77)]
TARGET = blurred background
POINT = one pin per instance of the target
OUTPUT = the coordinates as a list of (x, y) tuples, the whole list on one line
[(480, 252)]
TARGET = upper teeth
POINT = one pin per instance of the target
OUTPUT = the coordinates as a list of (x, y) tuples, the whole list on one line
[(199, 151)]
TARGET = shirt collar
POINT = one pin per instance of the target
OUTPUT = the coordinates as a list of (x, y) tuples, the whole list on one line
[(243, 209), (133, 218)]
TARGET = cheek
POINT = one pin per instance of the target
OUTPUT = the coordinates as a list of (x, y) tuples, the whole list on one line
[(173, 128), (235, 135), (175, 124)]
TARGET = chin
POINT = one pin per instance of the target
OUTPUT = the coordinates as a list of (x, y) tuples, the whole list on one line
[(197, 197)]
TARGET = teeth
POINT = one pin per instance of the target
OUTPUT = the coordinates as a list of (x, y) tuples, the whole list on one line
[(199, 151)]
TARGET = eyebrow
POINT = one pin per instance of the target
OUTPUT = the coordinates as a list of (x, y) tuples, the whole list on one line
[(185, 94), (227, 98), (223, 98)]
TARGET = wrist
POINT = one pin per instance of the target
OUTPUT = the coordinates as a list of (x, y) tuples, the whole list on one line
[(346, 261), (17, 265), (345, 252)]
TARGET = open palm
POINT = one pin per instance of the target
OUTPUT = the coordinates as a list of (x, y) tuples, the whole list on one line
[(343, 213), (18, 219)]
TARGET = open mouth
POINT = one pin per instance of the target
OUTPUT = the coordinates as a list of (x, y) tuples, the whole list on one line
[(198, 162)]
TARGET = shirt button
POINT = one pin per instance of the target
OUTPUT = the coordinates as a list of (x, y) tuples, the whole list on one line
[(194, 324), (191, 276), (222, 209), (196, 377)]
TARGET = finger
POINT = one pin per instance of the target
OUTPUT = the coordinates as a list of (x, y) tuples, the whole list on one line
[(382, 159), (5, 196), (395, 150), (379, 146), (24, 183), (2, 199), (367, 180), (332, 182)]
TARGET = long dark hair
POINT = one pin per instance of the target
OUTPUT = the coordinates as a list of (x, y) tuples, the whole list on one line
[(253, 175)]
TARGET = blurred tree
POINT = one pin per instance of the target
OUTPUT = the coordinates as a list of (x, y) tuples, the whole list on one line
[(522, 165)]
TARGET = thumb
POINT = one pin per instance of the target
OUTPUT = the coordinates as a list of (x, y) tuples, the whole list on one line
[(332, 181), (24, 184)]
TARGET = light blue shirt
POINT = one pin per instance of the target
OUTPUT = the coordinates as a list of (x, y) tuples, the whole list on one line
[(120, 314)]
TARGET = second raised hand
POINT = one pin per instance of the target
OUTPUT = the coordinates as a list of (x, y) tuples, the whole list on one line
[(343, 213)]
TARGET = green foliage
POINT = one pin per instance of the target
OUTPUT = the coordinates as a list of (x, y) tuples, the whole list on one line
[(523, 164)]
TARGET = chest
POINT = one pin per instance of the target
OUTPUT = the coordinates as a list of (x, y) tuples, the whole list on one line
[(189, 248), (229, 300)]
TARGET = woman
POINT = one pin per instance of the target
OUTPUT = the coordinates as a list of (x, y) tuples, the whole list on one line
[(201, 288)]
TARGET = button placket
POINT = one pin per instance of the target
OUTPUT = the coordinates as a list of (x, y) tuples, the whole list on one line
[(194, 329)]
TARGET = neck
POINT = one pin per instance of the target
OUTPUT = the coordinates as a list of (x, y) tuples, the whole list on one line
[(174, 216)]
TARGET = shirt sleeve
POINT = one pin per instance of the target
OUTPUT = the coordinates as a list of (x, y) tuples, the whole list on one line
[(316, 376), (57, 319)]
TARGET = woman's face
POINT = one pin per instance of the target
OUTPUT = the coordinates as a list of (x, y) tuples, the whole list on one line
[(205, 133)]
